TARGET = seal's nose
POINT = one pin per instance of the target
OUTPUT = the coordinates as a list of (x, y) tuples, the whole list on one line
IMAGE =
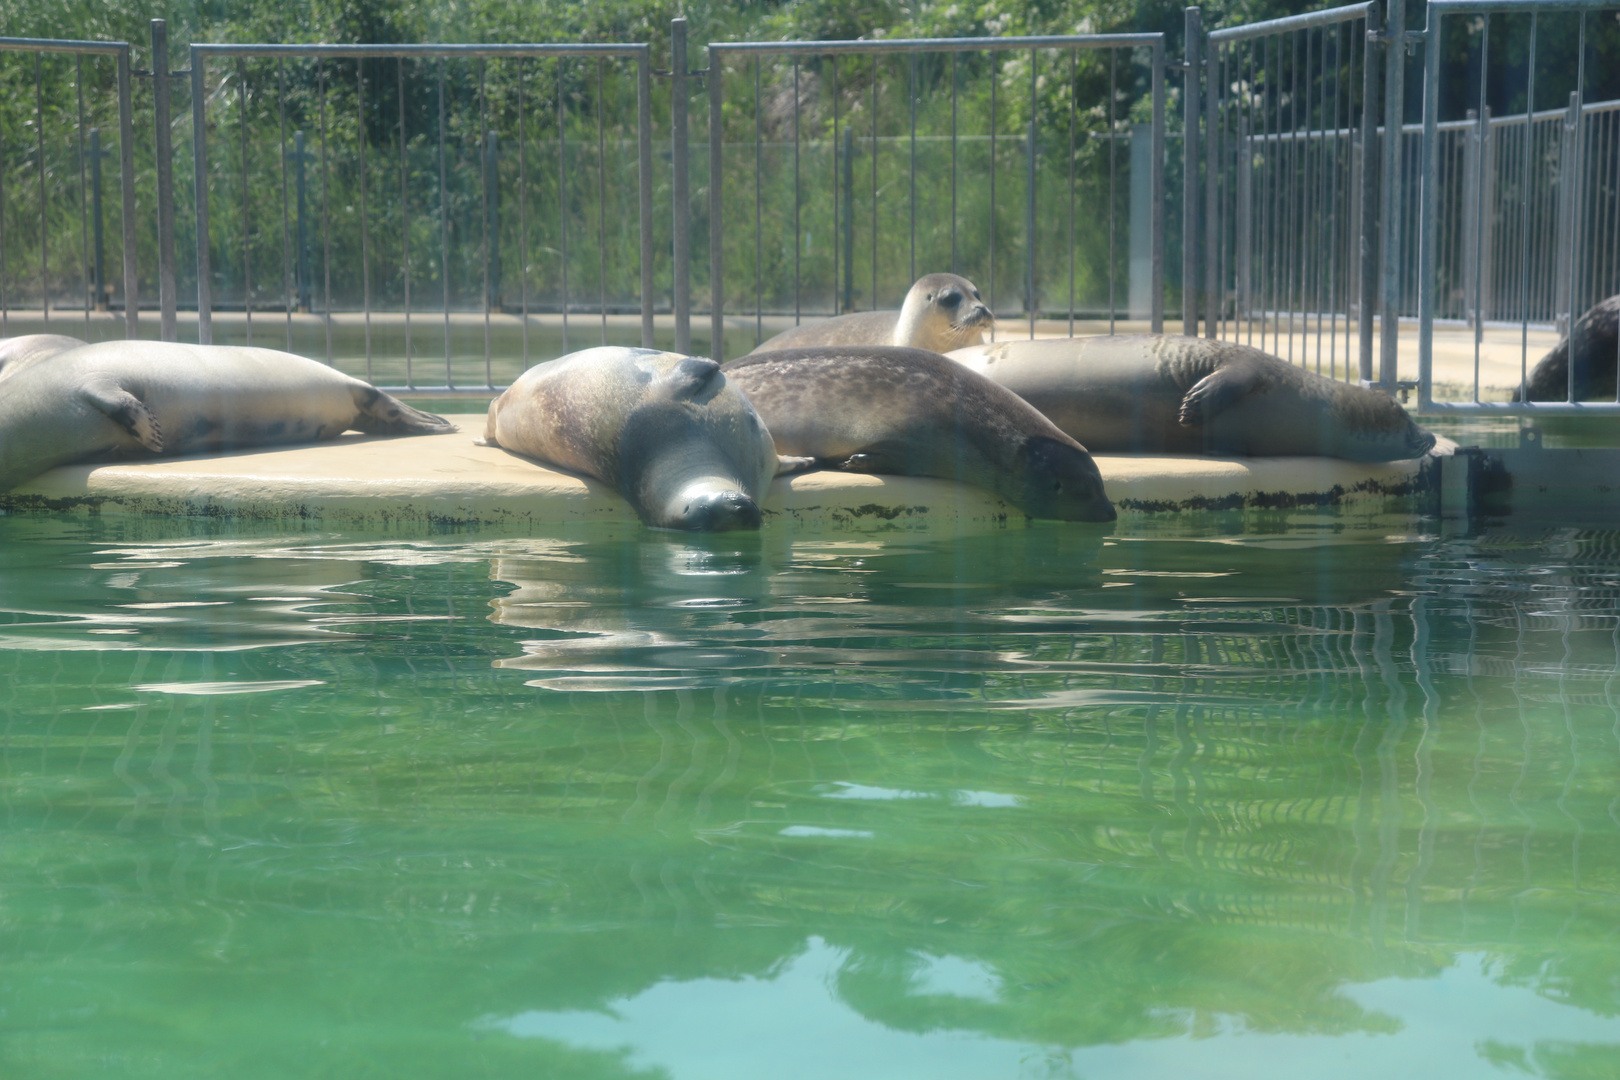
[(722, 511)]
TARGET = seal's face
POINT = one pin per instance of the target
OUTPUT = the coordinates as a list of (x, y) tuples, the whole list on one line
[(1062, 482), (959, 300), (943, 312)]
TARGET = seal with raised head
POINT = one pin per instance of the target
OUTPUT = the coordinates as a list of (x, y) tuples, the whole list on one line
[(126, 397), (941, 312), (909, 412), (1163, 394), (29, 349), (668, 432), (1593, 344)]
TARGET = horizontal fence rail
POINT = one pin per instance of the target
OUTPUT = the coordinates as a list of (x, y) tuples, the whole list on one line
[(1520, 205), (478, 180), (853, 167), (54, 234)]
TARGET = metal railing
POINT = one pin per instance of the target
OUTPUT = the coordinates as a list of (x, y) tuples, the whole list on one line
[(482, 248), (81, 168), (1291, 189), (1525, 242), (829, 108)]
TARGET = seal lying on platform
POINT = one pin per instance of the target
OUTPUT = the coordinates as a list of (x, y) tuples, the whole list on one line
[(29, 349), (168, 398), (669, 432), (883, 409), (1593, 342), (1161, 394), (941, 312)]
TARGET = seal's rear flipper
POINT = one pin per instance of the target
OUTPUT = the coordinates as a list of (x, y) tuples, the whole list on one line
[(1216, 392), (127, 411), (787, 466), (383, 414)]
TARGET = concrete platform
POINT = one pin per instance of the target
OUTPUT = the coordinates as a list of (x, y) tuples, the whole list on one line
[(446, 480)]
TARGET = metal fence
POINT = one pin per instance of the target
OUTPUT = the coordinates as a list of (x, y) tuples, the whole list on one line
[(55, 250), (1533, 239), (945, 121)]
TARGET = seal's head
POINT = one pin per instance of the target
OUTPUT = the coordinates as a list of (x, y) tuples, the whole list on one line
[(1061, 481), (942, 312), (1374, 427)]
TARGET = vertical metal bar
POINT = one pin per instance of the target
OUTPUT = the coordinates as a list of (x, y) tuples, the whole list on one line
[(126, 165), (562, 196), (247, 231), (1029, 209), (1074, 63), (5, 308), (404, 218), (523, 210), (39, 161), (1158, 186), (1429, 213), (798, 241), (365, 218), (484, 207), (759, 302), (1368, 242), (911, 200), (991, 214), (601, 197), (1212, 159), (873, 298), (680, 146), (84, 187), (286, 234), (1271, 197), (1481, 133), (839, 204), (717, 251), (1113, 197), (1290, 154), (644, 182), (1193, 33), (1330, 180), (199, 161), (164, 151), (954, 268), (326, 215), (444, 233), (1389, 296), (1524, 204)]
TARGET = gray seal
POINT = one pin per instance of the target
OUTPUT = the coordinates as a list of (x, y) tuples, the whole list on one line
[(1163, 394), (129, 397), (909, 412), (1593, 343), (941, 312), (669, 432), (23, 352)]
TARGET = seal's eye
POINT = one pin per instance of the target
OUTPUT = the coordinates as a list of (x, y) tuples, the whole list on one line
[(975, 294), (950, 299)]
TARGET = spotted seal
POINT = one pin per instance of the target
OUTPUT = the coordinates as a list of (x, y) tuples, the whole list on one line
[(941, 312), (669, 432), (1594, 342), (1164, 394), (126, 397), (887, 409)]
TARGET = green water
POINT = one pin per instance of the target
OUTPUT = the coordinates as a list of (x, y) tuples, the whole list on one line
[(1230, 797)]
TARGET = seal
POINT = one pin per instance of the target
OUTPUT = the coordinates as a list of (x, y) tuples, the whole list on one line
[(909, 412), (125, 397), (1162, 394), (29, 349), (941, 312), (1593, 343), (668, 432)]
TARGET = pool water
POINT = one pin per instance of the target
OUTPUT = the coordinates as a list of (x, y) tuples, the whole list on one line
[(1222, 796)]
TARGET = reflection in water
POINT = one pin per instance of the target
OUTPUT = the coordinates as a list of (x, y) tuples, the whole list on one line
[(614, 803)]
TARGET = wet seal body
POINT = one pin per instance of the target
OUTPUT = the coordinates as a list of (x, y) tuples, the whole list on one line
[(669, 432), (909, 412), (1162, 394), (136, 397), (24, 352), (941, 312), (1592, 343)]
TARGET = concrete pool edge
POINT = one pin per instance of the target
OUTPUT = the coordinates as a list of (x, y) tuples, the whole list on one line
[(447, 480)]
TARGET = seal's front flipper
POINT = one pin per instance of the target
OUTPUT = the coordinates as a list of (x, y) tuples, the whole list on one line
[(691, 378), (1215, 393), (127, 411), (384, 414), (875, 459), (787, 466)]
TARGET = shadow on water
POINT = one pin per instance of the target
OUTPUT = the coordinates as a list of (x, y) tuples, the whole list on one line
[(1230, 798)]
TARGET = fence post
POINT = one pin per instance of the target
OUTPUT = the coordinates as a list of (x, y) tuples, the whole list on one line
[(1213, 300), (680, 197), (199, 159), (1193, 38), (1157, 170), (1470, 211), (717, 247), (1569, 212), (165, 179), (848, 224), (1389, 297), (644, 182), (1371, 146), (126, 166)]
